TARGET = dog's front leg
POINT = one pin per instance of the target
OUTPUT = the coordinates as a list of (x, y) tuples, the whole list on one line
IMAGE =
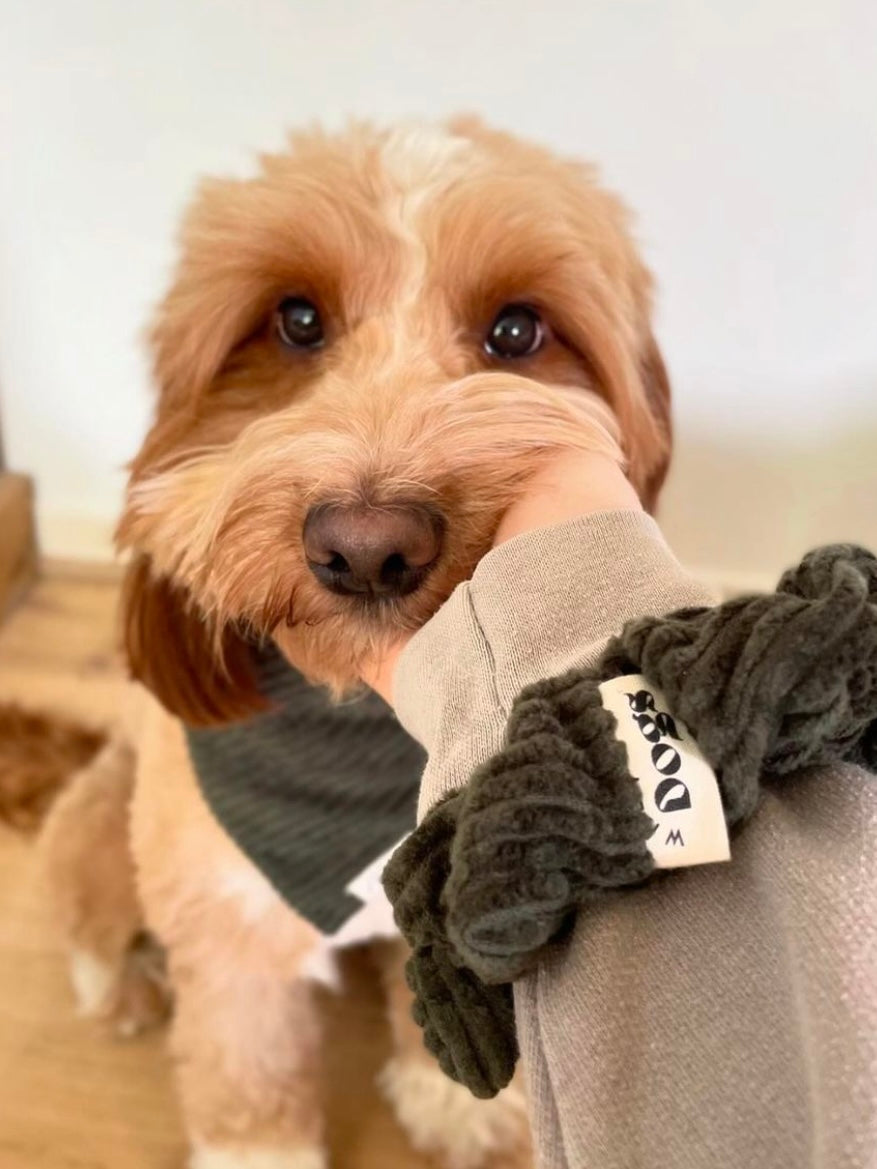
[(247, 1051), (245, 1035), (116, 971)]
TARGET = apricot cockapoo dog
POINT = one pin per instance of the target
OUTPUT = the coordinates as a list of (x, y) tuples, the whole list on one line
[(365, 351)]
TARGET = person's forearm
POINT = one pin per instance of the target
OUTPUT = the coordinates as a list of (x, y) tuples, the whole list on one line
[(542, 602), (573, 559)]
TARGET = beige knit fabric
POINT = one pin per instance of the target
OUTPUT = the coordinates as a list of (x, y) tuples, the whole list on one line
[(722, 1016)]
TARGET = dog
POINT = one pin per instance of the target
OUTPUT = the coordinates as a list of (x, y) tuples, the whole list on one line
[(365, 352)]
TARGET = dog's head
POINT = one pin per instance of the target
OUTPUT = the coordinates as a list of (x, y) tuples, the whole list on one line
[(365, 352)]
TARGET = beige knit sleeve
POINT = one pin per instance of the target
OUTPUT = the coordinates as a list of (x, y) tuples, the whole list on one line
[(535, 606)]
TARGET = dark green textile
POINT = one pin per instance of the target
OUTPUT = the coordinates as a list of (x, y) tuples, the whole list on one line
[(312, 791), (468, 1026), (766, 684), (548, 824)]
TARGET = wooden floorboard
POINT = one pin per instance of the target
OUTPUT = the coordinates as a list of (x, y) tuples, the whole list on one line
[(71, 1096)]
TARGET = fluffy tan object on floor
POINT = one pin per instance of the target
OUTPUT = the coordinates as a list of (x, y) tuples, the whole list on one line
[(38, 755)]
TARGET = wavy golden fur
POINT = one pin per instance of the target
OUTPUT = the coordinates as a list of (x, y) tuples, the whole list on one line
[(409, 241), (38, 754)]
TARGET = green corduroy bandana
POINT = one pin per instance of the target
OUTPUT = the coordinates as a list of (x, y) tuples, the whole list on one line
[(313, 791)]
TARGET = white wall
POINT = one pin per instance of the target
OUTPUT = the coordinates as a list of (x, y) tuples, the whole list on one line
[(744, 134)]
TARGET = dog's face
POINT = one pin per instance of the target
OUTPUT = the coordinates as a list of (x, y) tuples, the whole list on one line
[(366, 351)]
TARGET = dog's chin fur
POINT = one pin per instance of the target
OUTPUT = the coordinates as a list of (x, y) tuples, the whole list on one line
[(409, 241)]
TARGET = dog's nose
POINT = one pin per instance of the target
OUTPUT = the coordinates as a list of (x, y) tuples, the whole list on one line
[(356, 549)]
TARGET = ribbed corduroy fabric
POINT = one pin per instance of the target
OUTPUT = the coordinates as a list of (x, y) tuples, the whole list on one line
[(312, 791), (723, 1019)]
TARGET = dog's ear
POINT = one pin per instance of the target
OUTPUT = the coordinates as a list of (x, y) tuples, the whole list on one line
[(624, 360), (656, 393), (171, 649), (186, 355), (219, 287)]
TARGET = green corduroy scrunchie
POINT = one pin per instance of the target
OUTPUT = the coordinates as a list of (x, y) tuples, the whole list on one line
[(766, 684), (468, 1025)]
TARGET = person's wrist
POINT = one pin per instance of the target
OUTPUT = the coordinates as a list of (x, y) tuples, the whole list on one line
[(378, 672), (569, 485)]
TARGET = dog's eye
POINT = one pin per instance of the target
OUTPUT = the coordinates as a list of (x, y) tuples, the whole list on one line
[(298, 323), (517, 331)]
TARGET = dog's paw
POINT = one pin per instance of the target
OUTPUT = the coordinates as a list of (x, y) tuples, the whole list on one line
[(216, 1157), (93, 981), (444, 1119), (130, 996)]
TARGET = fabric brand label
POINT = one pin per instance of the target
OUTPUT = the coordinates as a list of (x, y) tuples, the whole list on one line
[(679, 788)]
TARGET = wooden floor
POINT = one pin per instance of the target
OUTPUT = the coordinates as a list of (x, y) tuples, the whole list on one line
[(72, 1097)]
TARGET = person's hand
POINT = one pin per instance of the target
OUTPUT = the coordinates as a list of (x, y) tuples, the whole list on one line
[(569, 485)]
